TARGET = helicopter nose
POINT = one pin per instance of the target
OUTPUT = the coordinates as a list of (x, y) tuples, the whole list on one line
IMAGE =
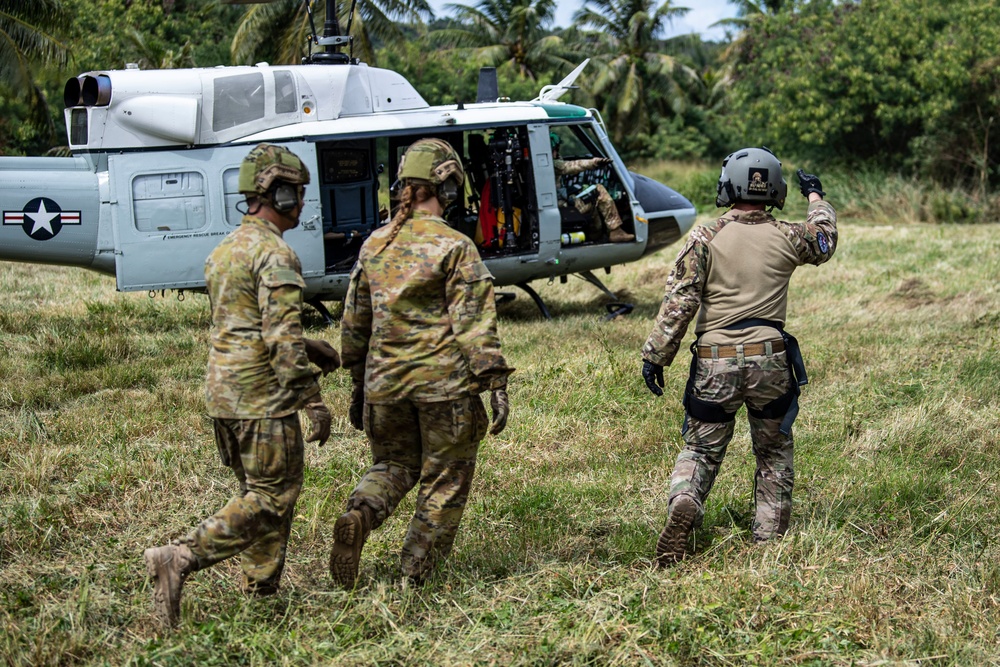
[(669, 213)]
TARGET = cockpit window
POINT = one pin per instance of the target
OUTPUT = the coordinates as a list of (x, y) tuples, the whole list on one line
[(576, 141), (284, 92), (237, 99)]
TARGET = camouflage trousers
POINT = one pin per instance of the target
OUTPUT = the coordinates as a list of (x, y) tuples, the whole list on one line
[(604, 205), (266, 456), (729, 383), (434, 444)]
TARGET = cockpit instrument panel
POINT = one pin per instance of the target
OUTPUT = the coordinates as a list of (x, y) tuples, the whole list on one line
[(345, 165)]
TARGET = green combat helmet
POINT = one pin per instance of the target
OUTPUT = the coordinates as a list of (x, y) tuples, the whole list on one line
[(751, 175), (268, 163), (433, 161)]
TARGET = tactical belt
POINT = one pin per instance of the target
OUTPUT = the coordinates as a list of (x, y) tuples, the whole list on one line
[(786, 405), (730, 351)]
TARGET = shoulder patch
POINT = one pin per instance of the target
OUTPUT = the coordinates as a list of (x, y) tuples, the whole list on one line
[(824, 245), (279, 277), (474, 272)]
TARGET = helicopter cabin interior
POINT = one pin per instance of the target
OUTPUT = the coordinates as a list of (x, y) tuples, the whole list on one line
[(499, 207)]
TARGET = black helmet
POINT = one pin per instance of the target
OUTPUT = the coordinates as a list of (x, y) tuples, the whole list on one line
[(751, 175)]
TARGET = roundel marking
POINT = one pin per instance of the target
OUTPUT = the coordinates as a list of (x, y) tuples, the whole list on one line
[(41, 218)]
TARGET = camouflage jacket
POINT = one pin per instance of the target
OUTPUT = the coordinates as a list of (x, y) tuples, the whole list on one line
[(749, 279), (420, 317), (571, 168), (257, 366)]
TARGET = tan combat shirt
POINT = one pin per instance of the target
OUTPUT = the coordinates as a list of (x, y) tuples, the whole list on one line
[(420, 317), (257, 366), (735, 268)]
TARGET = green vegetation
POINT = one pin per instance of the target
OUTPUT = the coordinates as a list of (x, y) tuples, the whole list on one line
[(904, 90), (105, 450)]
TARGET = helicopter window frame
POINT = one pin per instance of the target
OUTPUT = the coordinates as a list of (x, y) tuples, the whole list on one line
[(231, 196), (180, 204), (285, 97), (584, 135)]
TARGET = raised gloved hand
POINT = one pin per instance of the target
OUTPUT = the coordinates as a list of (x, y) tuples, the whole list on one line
[(500, 405), (809, 183), (323, 355), (319, 418), (653, 375), (356, 411)]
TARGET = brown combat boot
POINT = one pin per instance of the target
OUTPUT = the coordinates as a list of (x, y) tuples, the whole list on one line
[(672, 545), (168, 566), (349, 535), (619, 235)]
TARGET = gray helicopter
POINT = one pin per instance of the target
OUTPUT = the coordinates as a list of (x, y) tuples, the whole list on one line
[(151, 186)]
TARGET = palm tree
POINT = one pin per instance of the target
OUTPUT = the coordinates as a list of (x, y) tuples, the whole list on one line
[(280, 31), (747, 12), (511, 32), (635, 78), (154, 55), (27, 41)]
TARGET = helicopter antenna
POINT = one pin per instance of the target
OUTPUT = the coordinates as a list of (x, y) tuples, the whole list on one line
[(553, 93), (350, 22), (312, 26)]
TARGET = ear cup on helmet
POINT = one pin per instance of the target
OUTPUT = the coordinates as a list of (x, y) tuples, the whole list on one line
[(284, 197), (448, 191)]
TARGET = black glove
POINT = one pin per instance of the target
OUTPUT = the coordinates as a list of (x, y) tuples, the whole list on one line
[(355, 413), (653, 375), (319, 418), (500, 405), (323, 355), (809, 183)]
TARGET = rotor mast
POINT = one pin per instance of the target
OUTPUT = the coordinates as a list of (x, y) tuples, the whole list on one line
[(331, 41)]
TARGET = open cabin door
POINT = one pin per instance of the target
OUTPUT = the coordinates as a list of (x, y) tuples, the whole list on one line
[(348, 188), (170, 209)]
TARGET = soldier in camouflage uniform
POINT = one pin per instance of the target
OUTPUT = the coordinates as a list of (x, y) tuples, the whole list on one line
[(259, 377), (604, 204), (420, 340), (734, 274)]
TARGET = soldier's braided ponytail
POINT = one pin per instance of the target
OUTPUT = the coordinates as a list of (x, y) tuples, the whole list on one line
[(413, 193)]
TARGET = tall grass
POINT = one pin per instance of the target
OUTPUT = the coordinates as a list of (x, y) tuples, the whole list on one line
[(891, 557)]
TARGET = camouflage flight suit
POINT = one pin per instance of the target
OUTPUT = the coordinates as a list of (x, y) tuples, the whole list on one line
[(605, 204), (733, 269), (420, 331), (258, 378)]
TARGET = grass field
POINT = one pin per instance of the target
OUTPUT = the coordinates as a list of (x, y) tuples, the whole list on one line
[(892, 556)]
